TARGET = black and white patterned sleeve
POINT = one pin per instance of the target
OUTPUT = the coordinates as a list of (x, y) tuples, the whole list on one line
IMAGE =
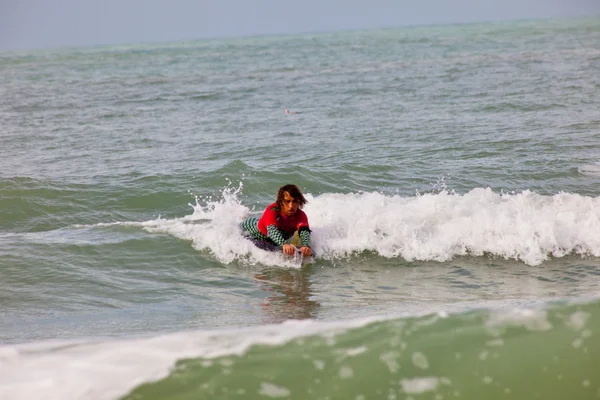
[(275, 235), (305, 237)]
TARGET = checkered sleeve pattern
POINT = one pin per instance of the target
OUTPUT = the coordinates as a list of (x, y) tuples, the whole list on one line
[(275, 235), (305, 237)]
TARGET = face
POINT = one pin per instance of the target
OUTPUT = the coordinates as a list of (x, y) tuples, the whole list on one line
[(290, 204)]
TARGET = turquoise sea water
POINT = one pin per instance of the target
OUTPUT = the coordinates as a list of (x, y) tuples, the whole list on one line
[(452, 174)]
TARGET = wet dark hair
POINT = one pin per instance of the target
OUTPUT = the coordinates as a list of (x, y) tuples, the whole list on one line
[(294, 191)]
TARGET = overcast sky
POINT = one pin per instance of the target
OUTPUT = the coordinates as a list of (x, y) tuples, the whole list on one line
[(53, 23)]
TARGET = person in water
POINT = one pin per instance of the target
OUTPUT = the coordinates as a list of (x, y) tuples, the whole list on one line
[(281, 220)]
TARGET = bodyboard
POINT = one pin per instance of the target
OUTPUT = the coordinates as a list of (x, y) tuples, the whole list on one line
[(271, 247)]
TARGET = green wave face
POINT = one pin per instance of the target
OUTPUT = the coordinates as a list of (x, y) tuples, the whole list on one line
[(544, 353)]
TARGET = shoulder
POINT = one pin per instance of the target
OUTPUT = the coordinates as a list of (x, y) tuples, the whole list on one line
[(301, 215), (272, 207), (271, 211)]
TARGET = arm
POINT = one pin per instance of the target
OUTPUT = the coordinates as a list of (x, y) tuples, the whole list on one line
[(305, 249), (269, 223), (304, 234), (275, 235)]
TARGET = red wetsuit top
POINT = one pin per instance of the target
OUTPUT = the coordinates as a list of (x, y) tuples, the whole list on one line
[(286, 225)]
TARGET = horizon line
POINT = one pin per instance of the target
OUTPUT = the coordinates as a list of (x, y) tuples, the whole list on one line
[(274, 34)]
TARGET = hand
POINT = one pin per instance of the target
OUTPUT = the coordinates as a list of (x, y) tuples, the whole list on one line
[(306, 251), (288, 249)]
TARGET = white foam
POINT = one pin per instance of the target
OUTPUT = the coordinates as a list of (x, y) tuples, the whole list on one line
[(273, 391), (577, 320), (102, 370), (214, 226), (531, 319), (108, 369), (524, 226), (423, 384), (590, 169), (420, 360)]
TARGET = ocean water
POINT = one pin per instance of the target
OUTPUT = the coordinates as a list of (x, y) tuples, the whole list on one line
[(453, 179)]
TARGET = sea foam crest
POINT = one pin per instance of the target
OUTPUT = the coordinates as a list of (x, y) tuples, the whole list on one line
[(439, 226), (214, 226), (526, 226), (590, 169)]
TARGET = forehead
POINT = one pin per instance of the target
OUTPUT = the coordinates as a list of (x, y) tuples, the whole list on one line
[(287, 196)]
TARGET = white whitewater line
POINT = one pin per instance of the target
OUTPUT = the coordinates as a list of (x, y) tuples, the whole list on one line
[(109, 369), (103, 370), (432, 227)]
